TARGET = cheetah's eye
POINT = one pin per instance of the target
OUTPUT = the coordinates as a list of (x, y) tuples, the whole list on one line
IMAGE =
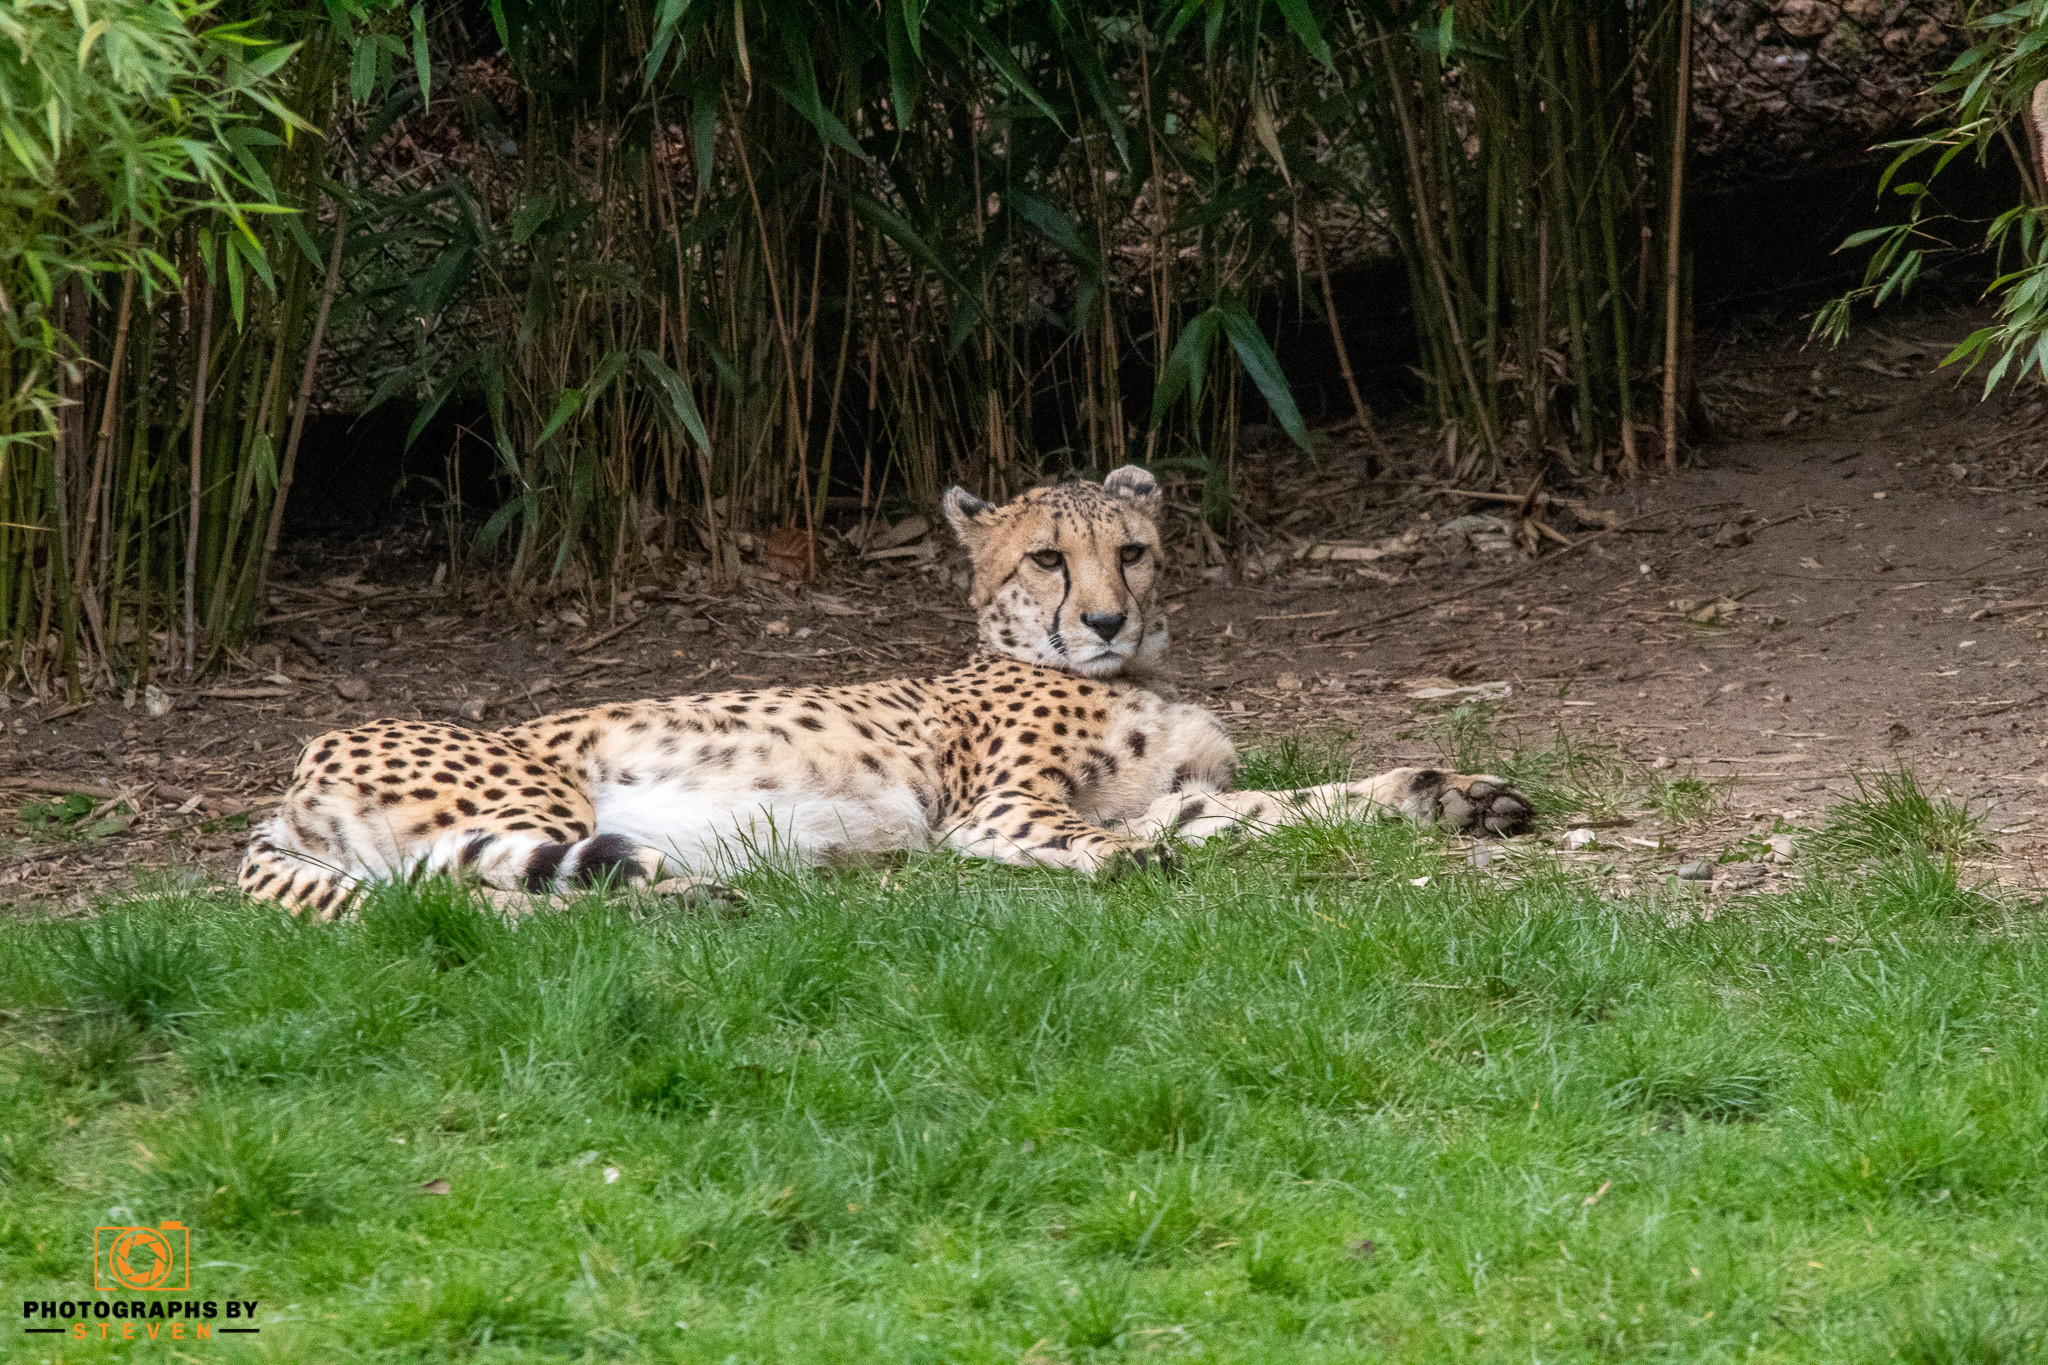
[(1048, 559), (1131, 554)]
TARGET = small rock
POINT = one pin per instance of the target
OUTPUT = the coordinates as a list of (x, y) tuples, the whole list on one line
[(353, 689), (1661, 762), (1781, 848), (155, 701), (1730, 536), (1581, 838), (1473, 526), (473, 709), (775, 628), (1701, 871), (1288, 682), (436, 1186), (1483, 856)]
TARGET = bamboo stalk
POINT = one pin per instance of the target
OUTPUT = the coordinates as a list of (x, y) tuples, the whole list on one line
[(198, 476), (288, 469), (117, 354), (1681, 117), (1358, 407)]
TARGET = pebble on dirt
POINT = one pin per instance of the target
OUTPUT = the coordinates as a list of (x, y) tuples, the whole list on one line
[(1701, 871)]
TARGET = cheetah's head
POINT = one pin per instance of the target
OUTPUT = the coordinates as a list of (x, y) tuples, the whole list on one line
[(1068, 577)]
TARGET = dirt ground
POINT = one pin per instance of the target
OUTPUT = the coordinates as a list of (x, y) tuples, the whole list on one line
[(1856, 576)]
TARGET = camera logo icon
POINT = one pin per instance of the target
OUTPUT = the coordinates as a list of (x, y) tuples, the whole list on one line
[(157, 1258)]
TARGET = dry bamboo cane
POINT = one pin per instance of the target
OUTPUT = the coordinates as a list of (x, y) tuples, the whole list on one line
[(1433, 254), (198, 480), (1680, 117), (1365, 424), (107, 409), (305, 395), (774, 286)]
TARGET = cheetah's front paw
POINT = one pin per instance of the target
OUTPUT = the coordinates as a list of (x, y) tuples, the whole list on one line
[(1485, 805), (701, 891), (1131, 858)]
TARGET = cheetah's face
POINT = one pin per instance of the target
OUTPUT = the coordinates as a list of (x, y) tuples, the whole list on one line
[(1068, 577)]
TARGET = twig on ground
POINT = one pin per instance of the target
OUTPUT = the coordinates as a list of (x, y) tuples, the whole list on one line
[(1482, 585)]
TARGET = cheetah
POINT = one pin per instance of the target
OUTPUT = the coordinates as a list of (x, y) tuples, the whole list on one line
[(1046, 748)]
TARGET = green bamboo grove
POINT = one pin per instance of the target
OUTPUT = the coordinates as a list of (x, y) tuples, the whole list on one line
[(714, 269)]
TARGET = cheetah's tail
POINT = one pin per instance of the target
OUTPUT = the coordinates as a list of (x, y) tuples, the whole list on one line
[(520, 862), (294, 881), (510, 862)]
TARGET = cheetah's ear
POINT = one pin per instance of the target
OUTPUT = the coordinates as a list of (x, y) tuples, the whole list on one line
[(966, 514), (1136, 485)]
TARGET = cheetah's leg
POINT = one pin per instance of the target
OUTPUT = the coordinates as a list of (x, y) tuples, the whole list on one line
[(295, 881), (1469, 803), (1024, 829)]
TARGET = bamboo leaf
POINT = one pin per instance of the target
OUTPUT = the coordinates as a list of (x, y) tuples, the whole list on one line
[(526, 507), (263, 457), (667, 15), (362, 71), (1185, 365), (1266, 133), (1302, 22), (421, 66), (530, 216), (567, 404), (1257, 357), (231, 265), (1005, 61), (681, 407), (1054, 224), (801, 90), (912, 12), (704, 121), (905, 68), (601, 378)]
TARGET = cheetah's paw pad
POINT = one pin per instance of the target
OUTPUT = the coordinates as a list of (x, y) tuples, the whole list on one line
[(1486, 805)]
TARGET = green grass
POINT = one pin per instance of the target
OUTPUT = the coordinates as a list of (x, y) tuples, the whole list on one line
[(1891, 815), (1291, 1107)]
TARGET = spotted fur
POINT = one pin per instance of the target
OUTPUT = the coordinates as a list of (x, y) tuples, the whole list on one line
[(1043, 749)]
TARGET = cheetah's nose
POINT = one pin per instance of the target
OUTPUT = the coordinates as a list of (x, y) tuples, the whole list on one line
[(1105, 623)]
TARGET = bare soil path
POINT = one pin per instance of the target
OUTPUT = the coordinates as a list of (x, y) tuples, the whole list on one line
[(1856, 578)]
